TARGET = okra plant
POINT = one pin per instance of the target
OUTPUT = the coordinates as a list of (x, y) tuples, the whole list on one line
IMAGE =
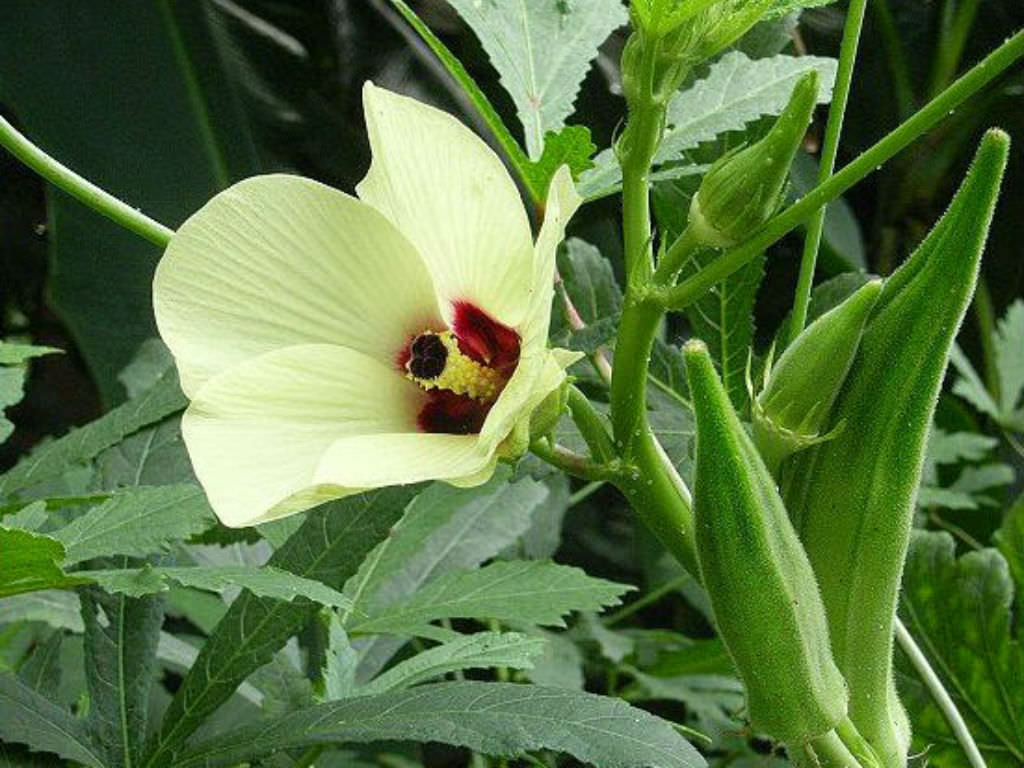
[(321, 520)]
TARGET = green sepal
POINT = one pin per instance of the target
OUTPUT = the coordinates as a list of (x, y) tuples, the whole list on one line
[(853, 498), (547, 415), (793, 410), (743, 190), (762, 588)]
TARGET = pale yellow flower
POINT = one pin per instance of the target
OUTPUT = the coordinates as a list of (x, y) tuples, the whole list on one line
[(331, 344)]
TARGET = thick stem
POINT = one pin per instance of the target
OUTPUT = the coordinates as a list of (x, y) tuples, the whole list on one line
[(927, 117), (82, 190), (836, 113)]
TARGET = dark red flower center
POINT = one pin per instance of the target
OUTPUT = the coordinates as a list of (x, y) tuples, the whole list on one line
[(463, 371)]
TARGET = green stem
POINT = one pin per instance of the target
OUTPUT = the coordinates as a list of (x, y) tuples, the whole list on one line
[(927, 117), (572, 463), (827, 751), (939, 694), (84, 191), (591, 426), (684, 247), (951, 40), (585, 493), (651, 597), (836, 113), (897, 57)]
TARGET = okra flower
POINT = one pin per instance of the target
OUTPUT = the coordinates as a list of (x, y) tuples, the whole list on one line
[(331, 344)]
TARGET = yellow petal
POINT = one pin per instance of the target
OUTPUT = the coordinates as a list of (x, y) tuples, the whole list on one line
[(452, 197), (280, 260), (257, 432)]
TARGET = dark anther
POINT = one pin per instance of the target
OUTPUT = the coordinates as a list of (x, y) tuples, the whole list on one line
[(429, 356)]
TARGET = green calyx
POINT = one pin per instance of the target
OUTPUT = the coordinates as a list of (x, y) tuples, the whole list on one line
[(793, 410), (763, 591), (852, 498), (743, 190)]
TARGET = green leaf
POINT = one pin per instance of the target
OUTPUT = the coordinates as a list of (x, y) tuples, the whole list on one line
[(494, 718), (31, 561), (955, 447), (445, 529), (137, 522), (570, 146), (561, 664), (482, 650), (265, 581), (782, 7), (41, 671), (81, 444), (337, 678), (736, 91), (121, 636), (1010, 540), (542, 51), (28, 518), (970, 387), (57, 608), (531, 592), (1009, 348), (12, 377), (328, 548), (712, 701), (958, 610), (27, 717)]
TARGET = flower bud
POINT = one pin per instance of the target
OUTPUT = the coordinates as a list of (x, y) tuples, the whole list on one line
[(793, 409), (743, 190), (763, 592)]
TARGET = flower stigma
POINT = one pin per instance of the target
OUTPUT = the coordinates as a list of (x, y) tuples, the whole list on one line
[(463, 371)]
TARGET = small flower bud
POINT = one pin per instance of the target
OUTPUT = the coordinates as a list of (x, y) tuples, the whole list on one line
[(763, 592), (743, 190), (793, 409)]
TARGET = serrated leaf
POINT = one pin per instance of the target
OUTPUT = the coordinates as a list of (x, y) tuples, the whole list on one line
[(285, 689), (29, 718), (28, 518), (589, 281), (782, 7), (614, 646), (12, 353), (137, 522), (958, 611), (31, 561), (1010, 540), (482, 650), (542, 51), (266, 581), (81, 444), (155, 455), (12, 377), (57, 608), (1009, 349), (121, 635), (337, 678), (971, 388), (954, 447), (736, 91), (712, 701), (531, 592), (328, 548), (561, 664), (570, 146), (445, 529), (494, 718)]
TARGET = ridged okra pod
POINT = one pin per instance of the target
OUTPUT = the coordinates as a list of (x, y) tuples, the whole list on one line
[(852, 498), (762, 588)]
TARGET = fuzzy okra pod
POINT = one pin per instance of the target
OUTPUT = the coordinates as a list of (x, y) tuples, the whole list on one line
[(852, 498), (762, 588)]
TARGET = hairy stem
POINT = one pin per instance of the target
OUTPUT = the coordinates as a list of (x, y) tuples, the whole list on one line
[(836, 114)]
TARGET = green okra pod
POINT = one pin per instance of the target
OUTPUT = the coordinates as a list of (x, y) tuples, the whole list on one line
[(793, 411), (852, 498), (762, 588)]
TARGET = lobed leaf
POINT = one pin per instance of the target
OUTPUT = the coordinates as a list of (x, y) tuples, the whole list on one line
[(958, 610), (31, 561), (542, 51)]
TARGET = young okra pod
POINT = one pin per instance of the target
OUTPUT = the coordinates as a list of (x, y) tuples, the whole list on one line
[(852, 498), (762, 588)]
